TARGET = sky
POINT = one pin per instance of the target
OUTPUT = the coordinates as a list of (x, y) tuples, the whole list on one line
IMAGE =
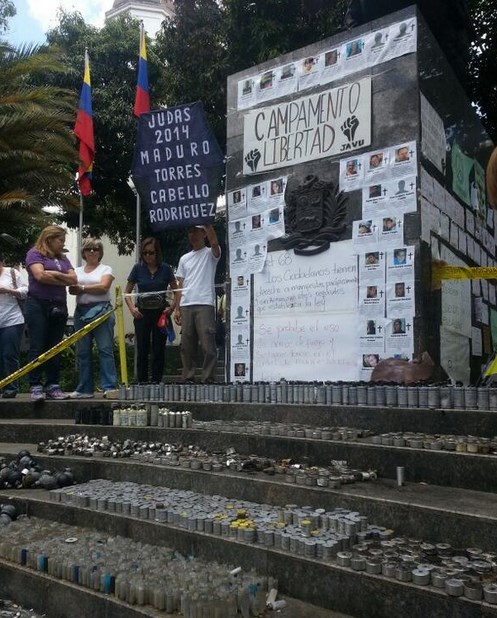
[(35, 17)]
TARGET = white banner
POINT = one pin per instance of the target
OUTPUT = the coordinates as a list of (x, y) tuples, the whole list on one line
[(305, 314), (312, 127)]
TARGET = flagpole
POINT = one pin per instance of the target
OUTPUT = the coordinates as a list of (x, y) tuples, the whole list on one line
[(138, 226), (80, 231)]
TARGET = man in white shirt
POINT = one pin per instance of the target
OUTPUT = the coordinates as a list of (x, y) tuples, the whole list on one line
[(195, 305)]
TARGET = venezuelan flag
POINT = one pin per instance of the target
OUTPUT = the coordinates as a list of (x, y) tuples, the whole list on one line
[(142, 98), (83, 130)]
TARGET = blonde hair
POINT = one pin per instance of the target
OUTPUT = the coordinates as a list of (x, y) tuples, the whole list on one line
[(93, 242), (43, 245), (492, 179)]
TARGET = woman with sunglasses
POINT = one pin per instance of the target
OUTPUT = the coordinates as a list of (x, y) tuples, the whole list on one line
[(152, 277), (92, 300), (49, 273)]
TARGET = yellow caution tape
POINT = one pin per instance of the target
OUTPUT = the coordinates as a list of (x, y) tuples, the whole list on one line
[(443, 271), (65, 343)]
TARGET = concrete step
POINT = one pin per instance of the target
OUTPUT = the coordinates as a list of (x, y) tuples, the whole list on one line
[(438, 514), (57, 598), (444, 468), (324, 583)]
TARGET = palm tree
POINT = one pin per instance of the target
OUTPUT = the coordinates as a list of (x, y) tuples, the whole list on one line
[(38, 154)]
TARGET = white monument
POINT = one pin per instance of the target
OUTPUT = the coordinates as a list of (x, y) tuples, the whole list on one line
[(151, 12)]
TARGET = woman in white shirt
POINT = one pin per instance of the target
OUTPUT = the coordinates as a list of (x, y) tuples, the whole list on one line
[(12, 290), (93, 299)]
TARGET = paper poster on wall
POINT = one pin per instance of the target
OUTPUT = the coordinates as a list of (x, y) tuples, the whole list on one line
[(402, 38), (461, 169), (399, 335), (295, 284), (364, 235), (456, 298), (454, 355), (309, 128), (400, 263), (237, 204), (391, 231), (433, 143), (476, 342), (371, 333), (333, 68), (371, 299), (307, 347), (372, 267), (309, 71), (247, 93), (400, 297), (286, 79), (256, 257), (304, 312)]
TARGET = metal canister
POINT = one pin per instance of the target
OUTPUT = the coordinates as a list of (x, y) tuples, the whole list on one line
[(412, 397), (400, 476), (482, 398), (402, 396)]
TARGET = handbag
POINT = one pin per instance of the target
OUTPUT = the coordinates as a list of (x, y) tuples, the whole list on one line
[(152, 302), (94, 312), (21, 303)]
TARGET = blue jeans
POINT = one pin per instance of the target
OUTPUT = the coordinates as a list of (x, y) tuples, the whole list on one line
[(45, 331), (103, 336), (10, 345)]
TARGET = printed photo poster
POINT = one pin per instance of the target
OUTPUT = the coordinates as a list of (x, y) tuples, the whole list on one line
[(273, 221), (257, 196), (355, 55), (394, 196), (247, 95), (402, 38), (377, 47), (372, 267), (391, 231), (266, 88), (404, 160), (478, 190), (256, 257), (237, 203), (400, 297), (287, 79), (371, 332), (333, 66), (310, 70), (372, 299), (426, 185), (367, 362), (352, 173), (364, 235), (455, 355), (400, 264), (433, 142), (376, 166), (399, 335)]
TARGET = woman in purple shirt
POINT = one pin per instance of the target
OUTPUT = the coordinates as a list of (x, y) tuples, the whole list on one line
[(49, 273)]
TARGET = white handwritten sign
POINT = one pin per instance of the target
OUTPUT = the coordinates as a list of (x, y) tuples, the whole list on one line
[(312, 127), (292, 284), (305, 314), (310, 347)]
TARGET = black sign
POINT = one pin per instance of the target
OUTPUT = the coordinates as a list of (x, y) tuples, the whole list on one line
[(177, 167)]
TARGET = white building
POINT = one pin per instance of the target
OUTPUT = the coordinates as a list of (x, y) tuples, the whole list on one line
[(151, 12)]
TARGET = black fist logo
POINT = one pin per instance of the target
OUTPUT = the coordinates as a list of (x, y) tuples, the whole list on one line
[(349, 127), (252, 159)]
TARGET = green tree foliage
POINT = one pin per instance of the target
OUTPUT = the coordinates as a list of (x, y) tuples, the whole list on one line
[(37, 148), (7, 10), (483, 65)]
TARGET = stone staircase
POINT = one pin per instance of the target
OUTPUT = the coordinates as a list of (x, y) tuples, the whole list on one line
[(449, 497)]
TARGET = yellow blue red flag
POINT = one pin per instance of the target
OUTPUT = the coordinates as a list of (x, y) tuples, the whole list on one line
[(83, 129), (142, 98)]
